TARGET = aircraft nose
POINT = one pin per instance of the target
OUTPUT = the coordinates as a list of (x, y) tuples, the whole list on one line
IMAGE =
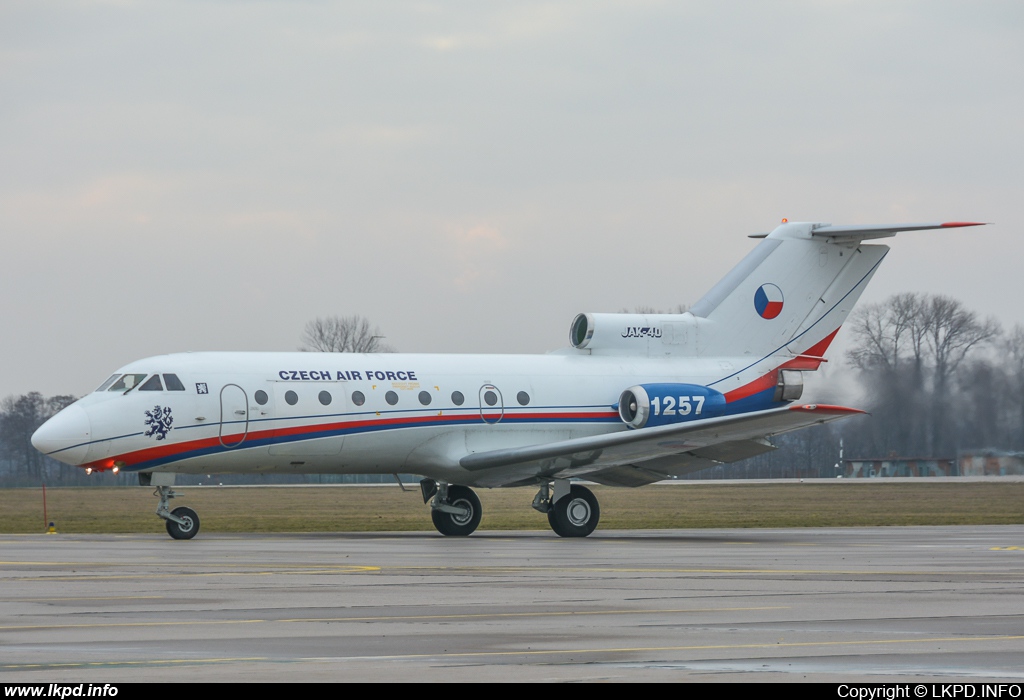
[(65, 437)]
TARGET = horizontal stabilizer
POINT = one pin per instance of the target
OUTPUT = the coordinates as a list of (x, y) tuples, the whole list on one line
[(883, 230)]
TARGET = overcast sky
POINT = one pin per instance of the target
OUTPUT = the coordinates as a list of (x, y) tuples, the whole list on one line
[(212, 175)]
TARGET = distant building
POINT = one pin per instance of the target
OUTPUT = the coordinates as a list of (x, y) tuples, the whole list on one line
[(991, 463), (899, 466), (982, 462)]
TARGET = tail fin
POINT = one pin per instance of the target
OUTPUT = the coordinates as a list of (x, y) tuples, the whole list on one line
[(794, 290), (789, 297)]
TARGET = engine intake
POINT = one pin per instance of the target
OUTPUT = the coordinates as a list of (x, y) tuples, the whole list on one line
[(633, 333), (651, 405)]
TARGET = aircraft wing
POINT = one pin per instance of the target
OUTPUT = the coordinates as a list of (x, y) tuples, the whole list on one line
[(638, 457)]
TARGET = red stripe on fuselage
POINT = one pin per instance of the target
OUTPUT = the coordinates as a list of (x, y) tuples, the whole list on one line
[(760, 384), (819, 348), (812, 357), (766, 381), (169, 450)]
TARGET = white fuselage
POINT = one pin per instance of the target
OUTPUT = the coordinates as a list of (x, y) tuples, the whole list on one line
[(295, 412), (740, 349), (696, 389)]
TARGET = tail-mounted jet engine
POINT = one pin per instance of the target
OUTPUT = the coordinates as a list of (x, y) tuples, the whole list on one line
[(660, 404), (790, 386), (626, 332)]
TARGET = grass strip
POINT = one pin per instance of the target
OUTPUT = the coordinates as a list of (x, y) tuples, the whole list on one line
[(386, 508)]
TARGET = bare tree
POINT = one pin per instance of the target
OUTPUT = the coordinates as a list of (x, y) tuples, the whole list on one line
[(909, 349), (877, 338), (20, 417), (1013, 347), (889, 337), (646, 309), (342, 334), (952, 332), (883, 332)]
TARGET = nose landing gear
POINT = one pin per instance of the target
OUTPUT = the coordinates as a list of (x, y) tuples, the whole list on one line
[(182, 523)]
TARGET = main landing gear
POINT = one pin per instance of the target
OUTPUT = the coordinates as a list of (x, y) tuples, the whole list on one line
[(182, 523), (455, 510), (572, 510)]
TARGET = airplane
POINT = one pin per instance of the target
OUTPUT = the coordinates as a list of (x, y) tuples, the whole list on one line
[(635, 398)]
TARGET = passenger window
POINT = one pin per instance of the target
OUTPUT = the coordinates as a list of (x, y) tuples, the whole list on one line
[(457, 398), (127, 382), (325, 398), (490, 398), (425, 398), (357, 398), (291, 398), (391, 397), (261, 397), (153, 384), (105, 385), (172, 383), (523, 398)]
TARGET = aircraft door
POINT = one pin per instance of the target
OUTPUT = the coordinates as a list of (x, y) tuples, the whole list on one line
[(492, 406), (234, 415)]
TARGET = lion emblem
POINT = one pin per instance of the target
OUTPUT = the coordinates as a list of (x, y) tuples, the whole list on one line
[(159, 421)]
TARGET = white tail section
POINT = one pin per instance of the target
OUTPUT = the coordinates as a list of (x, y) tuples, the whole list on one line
[(792, 292), (789, 296)]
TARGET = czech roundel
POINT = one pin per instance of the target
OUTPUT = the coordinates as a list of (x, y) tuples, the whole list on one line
[(768, 301)]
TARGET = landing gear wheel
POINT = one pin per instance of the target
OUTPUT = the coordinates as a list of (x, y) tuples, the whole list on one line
[(575, 515), (458, 525), (187, 529)]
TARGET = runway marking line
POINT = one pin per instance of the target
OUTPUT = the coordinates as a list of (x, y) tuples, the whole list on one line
[(89, 597), (455, 570), (526, 652), (226, 565), (668, 570), (352, 568), (342, 569), (708, 647), (390, 618), (1005, 549), (561, 613), (107, 664), (93, 625)]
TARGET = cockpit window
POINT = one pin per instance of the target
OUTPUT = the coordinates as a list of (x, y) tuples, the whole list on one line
[(105, 385), (152, 384), (127, 382), (172, 383)]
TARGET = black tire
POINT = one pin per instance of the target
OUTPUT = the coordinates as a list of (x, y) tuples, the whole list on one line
[(575, 515), (184, 531), (458, 526)]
